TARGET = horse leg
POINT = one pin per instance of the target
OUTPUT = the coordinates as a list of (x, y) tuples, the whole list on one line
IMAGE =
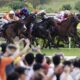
[(58, 41), (50, 40), (48, 44), (44, 43), (53, 42), (77, 40), (9, 40), (36, 41), (33, 40)]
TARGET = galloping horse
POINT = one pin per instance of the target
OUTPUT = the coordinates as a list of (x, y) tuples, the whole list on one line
[(67, 28), (42, 30), (39, 29), (13, 29)]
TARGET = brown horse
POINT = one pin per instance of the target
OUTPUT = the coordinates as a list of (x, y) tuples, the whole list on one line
[(67, 28), (13, 29)]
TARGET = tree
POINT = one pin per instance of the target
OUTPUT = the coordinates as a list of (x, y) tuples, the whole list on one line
[(43, 1), (3, 2), (77, 6), (66, 7)]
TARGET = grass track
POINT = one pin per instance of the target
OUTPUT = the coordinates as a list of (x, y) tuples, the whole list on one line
[(66, 51)]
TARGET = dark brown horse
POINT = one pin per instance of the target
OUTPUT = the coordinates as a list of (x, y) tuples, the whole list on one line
[(67, 28), (13, 29), (39, 29), (29, 21)]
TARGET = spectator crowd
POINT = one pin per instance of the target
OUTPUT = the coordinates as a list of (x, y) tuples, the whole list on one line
[(18, 63)]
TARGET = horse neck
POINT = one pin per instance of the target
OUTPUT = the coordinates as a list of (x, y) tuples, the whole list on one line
[(16, 28), (27, 21), (45, 22)]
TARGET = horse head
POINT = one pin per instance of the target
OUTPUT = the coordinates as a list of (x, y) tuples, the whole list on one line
[(73, 19), (30, 18)]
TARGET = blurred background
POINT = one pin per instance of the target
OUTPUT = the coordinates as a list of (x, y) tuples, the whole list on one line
[(48, 5)]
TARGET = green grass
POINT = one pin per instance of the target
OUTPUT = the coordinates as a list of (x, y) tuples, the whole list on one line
[(56, 5), (51, 6), (66, 51), (5, 9)]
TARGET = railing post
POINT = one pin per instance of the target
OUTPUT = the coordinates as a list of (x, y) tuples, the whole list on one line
[(70, 43)]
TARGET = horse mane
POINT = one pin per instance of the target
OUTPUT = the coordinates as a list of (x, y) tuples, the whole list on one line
[(29, 18)]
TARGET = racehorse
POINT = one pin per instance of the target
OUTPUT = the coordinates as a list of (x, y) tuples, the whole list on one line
[(39, 29), (13, 29), (42, 30), (29, 22), (67, 28)]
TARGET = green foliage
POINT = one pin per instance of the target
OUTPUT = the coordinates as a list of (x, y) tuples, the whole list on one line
[(16, 5), (5, 9), (29, 6), (66, 51), (45, 7), (48, 5), (20, 4), (77, 6), (66, 7), (43, 1)]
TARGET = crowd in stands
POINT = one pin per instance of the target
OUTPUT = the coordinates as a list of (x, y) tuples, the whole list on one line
[(27, 63)]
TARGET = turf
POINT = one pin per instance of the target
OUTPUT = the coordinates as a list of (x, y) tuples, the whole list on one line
[(56, 5), (66, 51)]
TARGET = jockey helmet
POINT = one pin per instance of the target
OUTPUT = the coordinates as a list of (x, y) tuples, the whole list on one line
[(24, 10), (11, 12)]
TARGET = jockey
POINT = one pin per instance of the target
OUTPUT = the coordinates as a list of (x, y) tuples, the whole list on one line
[(61, 16), (10, 17), (24, 12), (17, 13)]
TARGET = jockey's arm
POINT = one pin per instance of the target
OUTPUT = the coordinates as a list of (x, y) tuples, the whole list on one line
[(25, 49), (21, 53)]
